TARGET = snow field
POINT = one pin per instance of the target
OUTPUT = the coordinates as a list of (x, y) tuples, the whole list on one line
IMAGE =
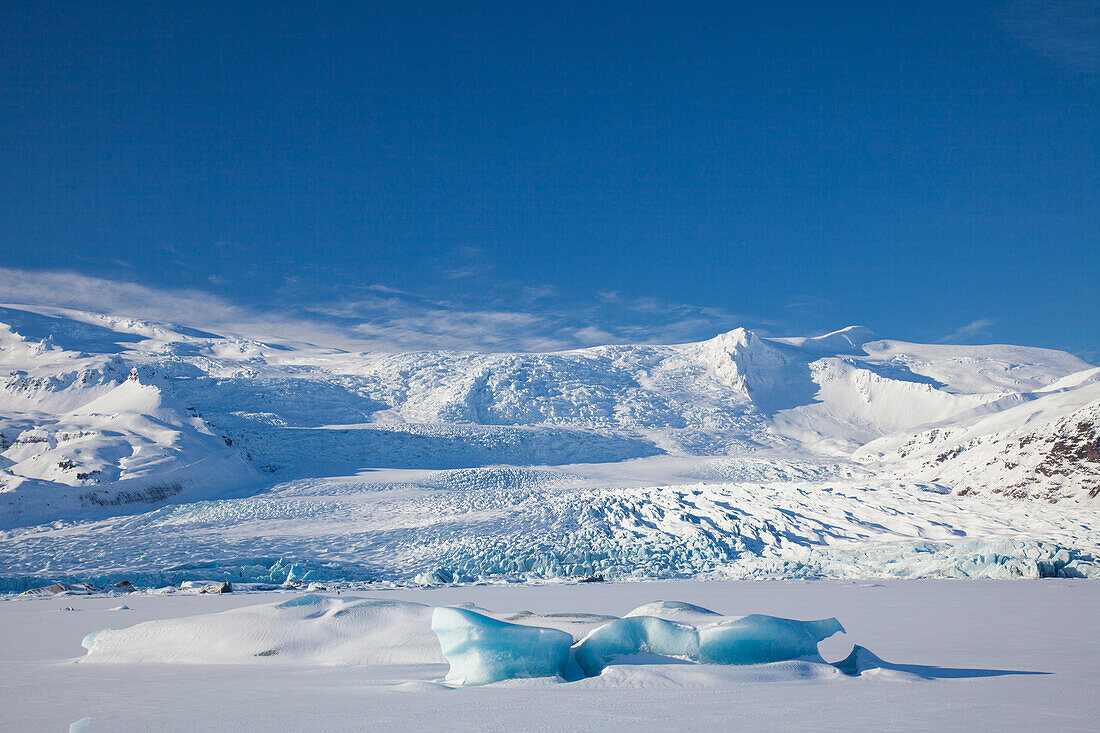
[(1014, 656)]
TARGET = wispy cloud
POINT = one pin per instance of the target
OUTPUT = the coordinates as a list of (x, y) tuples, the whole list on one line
[(973, 330), (1067, 31), (383, 318), (186, 307), (547, 323), (385, 289)]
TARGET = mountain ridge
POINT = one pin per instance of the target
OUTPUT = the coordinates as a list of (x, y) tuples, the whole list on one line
[(105, 415)]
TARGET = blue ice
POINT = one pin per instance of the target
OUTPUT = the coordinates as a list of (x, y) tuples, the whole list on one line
[(481, 650), (754, 639), (635, 635), (759, 639)]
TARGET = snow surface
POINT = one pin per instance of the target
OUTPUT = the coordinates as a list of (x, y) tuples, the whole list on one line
[(989, 655), (158, 453), (1042, 446), (306, 629)]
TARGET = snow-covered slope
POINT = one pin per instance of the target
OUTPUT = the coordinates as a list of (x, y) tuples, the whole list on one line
[(104, 416), (1044, 444), (92, 435)]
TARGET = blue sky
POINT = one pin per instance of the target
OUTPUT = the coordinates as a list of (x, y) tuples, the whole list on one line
[(548, 175)]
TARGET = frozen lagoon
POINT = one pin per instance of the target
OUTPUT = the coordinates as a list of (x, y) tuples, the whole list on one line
[(1007, 655)]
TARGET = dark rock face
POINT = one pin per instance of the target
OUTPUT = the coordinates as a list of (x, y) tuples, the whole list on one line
[(148, 495), (52, 590), (1052, 461), (59, 588), (1071, 451)]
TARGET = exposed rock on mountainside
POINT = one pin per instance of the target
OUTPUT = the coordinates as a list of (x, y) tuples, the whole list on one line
[(1045, 447)]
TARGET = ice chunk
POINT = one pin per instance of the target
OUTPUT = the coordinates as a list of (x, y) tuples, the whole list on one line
[(481, 649), (89, 640), (859, 661), (754, 639), (758, 639), (635, 635), (863, 662)]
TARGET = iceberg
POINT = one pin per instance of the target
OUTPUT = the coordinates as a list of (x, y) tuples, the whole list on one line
[(758, 639), (480, 646), (481, 649), (754, 639), (635, 635)]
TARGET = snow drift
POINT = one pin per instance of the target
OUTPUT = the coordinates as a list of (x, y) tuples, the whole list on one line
[(307, 629)]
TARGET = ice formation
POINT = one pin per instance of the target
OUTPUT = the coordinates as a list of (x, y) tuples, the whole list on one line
[(754, 639), (481, 649), (632, 636), (480, 646), (758, 639)]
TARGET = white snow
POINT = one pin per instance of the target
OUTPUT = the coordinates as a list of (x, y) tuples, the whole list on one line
[(306, 629), (1044, 446)]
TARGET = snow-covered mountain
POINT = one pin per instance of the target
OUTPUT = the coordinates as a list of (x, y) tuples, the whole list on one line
[(103, 416), (1043, 444)]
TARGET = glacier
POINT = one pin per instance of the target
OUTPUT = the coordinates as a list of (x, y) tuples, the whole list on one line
[(159, 453)]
